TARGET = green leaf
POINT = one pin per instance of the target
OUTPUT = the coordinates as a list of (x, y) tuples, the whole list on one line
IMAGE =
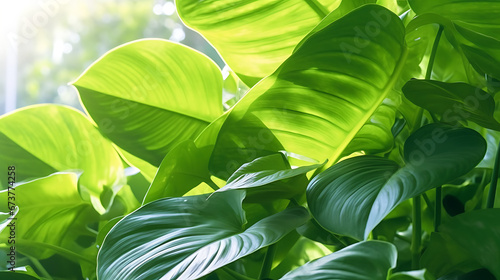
[(20, 273), (483, 62), (349, 65), (268, 178), (412, 275), (149, 95), (182, 169), (353, 196), (468, 23), (454, 101), (361, 261), (254, 38), (43, 139), (52, 217), (188, 237), (478, 234)]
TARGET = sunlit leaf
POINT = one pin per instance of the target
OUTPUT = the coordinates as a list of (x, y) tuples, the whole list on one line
[(43, 139), (149, 95), (301, 107)]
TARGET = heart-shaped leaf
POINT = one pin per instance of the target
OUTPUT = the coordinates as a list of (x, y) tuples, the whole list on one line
[(43, 139), (254, 38), (349, 65), (454, 101), (188, 237), (368, 260), (52, 217), (149, 95), (353, 196)]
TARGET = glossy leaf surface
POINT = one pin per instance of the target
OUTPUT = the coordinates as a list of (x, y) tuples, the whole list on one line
[(353, 196), (361, 261), (188, 237)]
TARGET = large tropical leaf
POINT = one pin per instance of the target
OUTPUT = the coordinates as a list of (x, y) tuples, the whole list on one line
[(368, 260), (188, 237), (302, 106), (474, 236), (255, 37), (43, 139), (52, 217), (454, 101), (20, 273), (149, 95), (353, 196)]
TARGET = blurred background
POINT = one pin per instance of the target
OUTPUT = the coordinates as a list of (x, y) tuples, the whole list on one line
[(45, 44)]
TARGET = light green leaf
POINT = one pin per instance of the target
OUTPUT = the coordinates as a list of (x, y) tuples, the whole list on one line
[(188, 237), (454, 101), (255, 37), (353, 196), (368, 260), (52, 217), (268, 178), (301, 107), (43, 139), (182, 169), (149, 95)]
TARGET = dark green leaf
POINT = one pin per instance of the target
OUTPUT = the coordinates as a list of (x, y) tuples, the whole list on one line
[(353, 196), (268, 178), (368, 260), (454, 101), (188, 237)]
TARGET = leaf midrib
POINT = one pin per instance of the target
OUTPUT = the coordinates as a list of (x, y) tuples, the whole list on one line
[(206, 121)]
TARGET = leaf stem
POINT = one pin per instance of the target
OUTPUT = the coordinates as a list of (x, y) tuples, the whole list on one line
[(490, 202), (416, 234), (212, 184), (40, 268), (433, 53), (437, 211), (320, 10), (268, 262)]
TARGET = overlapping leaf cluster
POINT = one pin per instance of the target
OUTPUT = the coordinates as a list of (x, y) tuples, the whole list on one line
[(356, 110)]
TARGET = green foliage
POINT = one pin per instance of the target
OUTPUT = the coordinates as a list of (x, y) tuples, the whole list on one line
[(317, 172)]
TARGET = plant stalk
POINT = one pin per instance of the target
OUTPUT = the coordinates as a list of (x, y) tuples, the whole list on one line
[(268, 262), (416, 234), (433, 53), (437, 211), (490, 202), (212, 184)]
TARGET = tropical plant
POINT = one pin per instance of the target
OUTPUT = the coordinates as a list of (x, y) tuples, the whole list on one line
[(364, 147)]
